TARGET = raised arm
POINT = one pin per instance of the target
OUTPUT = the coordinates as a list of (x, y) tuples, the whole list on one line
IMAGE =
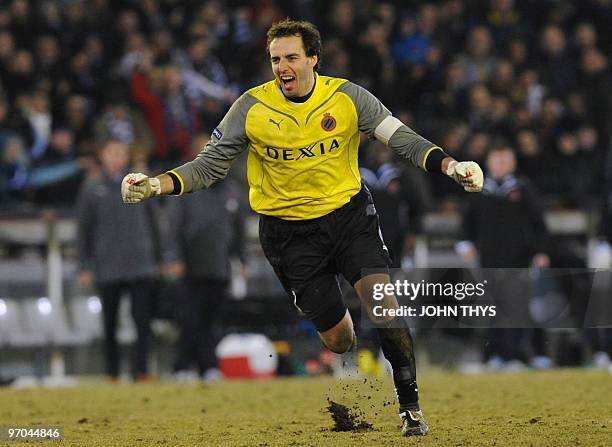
[(212, 164), (376, 121)]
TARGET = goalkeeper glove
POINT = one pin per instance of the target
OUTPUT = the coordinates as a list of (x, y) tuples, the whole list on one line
[(137, 187), (467, 173)]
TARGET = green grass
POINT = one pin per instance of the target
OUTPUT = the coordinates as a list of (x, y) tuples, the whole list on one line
[(560, 408)]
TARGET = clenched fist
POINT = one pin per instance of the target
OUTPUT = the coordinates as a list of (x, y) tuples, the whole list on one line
[(467, 173), (137, 187)]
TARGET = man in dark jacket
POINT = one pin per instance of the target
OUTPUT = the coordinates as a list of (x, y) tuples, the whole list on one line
[(506, 228), (118, 251), (207, 228)]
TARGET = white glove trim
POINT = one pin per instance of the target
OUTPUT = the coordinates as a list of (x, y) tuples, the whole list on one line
[(450, 169)]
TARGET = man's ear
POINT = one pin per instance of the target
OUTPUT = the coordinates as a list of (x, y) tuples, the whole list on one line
[(313, 60)]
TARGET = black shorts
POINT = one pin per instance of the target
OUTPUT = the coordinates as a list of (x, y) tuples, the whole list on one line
[(309, 255)]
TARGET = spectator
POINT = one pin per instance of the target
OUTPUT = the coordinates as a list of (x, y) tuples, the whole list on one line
[(76, 117), (117, 256), (573, 171), (505, 228), (7, 50), (480, 109), (121, 122), (477, 146), (55, 177), (478, 61), (20, 75), (374, 53), (204, 77), (596, 85), (452, 96), (556, 69), (415, 41), (532, 163), (502, 80), (14, 166), (504, 19), (518, 54), (549, 123), (207, 227), (74, 50), (38, 121), (21, 21), (47, 56), (342, 24), (171, 114), (585, 38)]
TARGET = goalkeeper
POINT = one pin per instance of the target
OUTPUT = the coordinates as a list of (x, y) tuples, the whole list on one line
[(317, 219)]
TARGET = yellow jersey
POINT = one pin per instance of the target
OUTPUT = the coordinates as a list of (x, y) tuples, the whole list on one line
[(302, 160)]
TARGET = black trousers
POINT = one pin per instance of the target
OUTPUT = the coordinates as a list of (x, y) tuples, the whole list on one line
[(200, 308), (141, 296)]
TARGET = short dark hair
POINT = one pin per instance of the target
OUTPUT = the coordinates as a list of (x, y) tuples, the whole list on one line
[(311, 39)]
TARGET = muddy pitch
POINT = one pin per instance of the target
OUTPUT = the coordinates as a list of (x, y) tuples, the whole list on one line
[(345, 419)]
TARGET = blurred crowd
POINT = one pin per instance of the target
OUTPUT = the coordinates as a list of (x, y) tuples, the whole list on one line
[(151, 74)]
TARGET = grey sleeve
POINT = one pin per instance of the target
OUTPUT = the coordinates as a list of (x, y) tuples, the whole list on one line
[(408, 144), (376, 121), (370, 111), (227, 141)]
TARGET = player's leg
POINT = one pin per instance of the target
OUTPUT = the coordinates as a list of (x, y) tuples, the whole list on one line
[(300, 256), (364, 261), (320, 300), (398, 347), (340, 338)]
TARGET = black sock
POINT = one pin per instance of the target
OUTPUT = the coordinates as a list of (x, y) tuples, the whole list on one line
[(407, 395), (397, 346)]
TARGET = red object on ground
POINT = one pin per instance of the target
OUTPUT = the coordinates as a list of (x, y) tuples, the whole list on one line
[(239, 368)]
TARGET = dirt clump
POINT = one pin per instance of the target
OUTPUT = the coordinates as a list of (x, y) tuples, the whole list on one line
[(347, 420)]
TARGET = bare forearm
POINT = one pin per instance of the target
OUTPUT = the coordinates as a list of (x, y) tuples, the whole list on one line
[(166, 184), (445, 163)]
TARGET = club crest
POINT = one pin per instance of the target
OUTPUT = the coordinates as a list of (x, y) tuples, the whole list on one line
[(328, 123)]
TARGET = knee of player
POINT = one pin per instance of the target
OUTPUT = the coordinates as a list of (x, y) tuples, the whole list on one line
[(342, 343)]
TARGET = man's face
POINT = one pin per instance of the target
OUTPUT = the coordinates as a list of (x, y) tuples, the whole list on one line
[(501, 163), (115, 157), (292, 68)]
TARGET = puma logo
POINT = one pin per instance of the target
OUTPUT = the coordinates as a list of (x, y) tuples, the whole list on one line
[(277, 123)]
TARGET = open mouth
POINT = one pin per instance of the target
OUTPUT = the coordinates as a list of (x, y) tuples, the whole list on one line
[(288, 82)]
